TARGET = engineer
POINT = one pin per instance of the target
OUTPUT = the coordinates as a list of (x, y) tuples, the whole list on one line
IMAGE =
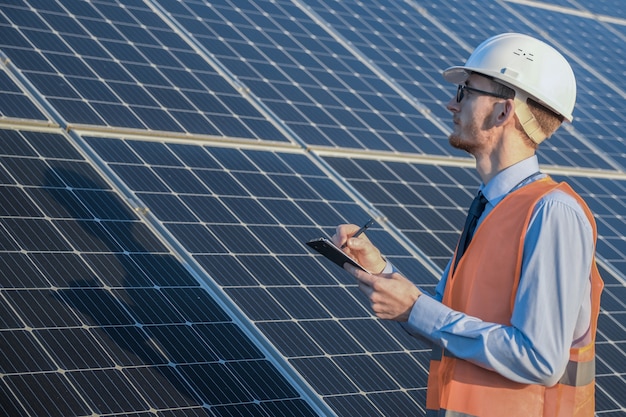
[(513, 319)]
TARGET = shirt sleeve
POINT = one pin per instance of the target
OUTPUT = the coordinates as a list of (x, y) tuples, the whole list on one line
[(550, 305)]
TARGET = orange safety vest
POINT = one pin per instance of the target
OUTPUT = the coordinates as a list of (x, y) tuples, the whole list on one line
[(484, 286)]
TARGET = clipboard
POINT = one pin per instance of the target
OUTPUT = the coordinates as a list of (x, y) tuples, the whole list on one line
[(332, 252)]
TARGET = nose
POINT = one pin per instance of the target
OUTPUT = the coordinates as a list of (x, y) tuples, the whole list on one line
[(453, 105)]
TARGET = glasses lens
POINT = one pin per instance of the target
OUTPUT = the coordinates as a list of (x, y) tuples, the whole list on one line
[(459, 93)]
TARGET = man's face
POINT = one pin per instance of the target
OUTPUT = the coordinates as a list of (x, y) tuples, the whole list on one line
[(472, 117)]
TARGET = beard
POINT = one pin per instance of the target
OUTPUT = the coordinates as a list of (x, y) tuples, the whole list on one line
[(466, 139), (457, 142)]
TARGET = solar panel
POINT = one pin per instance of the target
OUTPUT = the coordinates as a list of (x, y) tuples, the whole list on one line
[(116, 65), (306, 77), (609, 9), (245, 222), (151, 254), (108, 316)]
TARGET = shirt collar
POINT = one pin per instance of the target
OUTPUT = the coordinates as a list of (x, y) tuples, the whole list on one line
[(510, 178)]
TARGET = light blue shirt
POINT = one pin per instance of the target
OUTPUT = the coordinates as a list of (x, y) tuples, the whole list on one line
[(553, 301)]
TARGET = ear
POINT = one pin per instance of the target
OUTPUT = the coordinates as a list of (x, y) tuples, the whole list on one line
[(504, 112)]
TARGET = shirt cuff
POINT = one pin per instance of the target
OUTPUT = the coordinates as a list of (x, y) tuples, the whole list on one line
[(389, 268), (427, 317)]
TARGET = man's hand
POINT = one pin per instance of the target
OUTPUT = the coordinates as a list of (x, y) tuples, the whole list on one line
[(392, 296), (360, 248)]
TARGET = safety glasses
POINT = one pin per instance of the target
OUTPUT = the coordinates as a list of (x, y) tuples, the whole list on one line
[(460, 93)]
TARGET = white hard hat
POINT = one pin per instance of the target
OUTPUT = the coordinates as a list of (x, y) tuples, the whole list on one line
[(531, 67)]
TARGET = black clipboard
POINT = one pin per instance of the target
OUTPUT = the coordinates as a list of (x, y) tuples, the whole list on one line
[(332, 252)]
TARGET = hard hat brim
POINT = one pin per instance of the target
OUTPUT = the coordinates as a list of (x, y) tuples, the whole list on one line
[(456, 75)]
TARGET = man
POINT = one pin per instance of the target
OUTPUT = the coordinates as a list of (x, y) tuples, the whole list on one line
[(513, 320)]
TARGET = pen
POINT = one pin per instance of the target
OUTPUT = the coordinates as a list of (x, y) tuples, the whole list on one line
[(361, 230)]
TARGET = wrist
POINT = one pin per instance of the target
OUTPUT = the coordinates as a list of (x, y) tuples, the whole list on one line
[(388, 267)]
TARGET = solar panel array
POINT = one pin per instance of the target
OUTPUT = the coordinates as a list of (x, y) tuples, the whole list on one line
[(163, 162)]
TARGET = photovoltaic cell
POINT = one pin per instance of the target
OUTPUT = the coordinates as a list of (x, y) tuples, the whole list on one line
[(609, 8)]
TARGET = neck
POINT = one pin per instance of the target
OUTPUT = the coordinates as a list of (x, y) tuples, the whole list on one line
[(490, 164)]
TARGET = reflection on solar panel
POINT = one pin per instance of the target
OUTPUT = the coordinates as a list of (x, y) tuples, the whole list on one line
[(162, 163), (98, 311)]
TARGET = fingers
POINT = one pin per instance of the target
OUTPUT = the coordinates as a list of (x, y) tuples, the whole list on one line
[(392, 296), (361, 276), (360, 248), (343, 233), (366, 289)]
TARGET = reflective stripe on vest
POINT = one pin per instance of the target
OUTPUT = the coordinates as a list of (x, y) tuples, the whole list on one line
[(446, 413), (578, 374)]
